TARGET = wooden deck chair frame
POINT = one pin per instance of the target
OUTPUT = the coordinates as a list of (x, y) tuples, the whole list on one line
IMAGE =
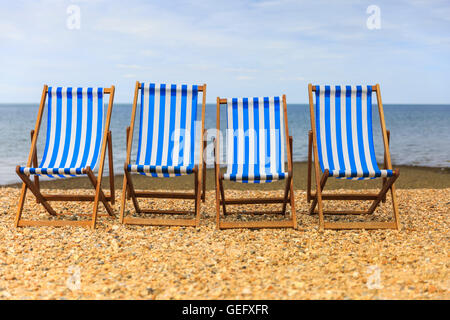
[(128, 190), (318, 196), (288, 191), (44, 199)]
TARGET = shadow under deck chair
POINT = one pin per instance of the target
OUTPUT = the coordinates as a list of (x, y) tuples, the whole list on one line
[(342, 142), (166, 148), (257, 137), (77, 137)]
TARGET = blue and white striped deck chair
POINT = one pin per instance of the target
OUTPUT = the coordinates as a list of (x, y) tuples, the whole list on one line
[(257, 143), (168, 117), (342, 141), (77, 137)]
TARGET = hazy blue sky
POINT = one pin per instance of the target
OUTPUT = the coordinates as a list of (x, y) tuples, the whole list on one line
[(239, 48)]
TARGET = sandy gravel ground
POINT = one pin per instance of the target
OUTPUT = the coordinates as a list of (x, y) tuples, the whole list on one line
[(123, 262)]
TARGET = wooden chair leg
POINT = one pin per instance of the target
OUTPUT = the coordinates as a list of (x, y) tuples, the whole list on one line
[(286, 194), (222, 193), (37, 193), (35, 164), (101, 196), (291, 186), (124, 198), (388, 134), (127, 191), (204, 175), (197, 197), (323, 181), (308, 188), (216, 182), (95, 210), (131, 190), (395, 208), (383, 192), (293, 210), (318, 197), (23, 193), (288, 180), (111, 169)]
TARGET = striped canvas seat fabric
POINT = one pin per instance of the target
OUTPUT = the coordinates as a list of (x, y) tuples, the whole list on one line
[(167, 134), (256, 140), (75, 123), (344, 132)]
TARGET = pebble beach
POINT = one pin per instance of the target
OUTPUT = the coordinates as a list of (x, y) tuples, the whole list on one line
[(286, 101), (141, 262)]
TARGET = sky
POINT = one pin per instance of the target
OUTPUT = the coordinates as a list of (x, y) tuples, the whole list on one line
[(238, 48)]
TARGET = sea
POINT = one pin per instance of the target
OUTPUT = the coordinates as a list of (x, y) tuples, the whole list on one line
[(420, 134)]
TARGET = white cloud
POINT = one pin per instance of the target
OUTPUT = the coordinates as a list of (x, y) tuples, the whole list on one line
[(293, 78), (264, 4), (265, 46), (245, 77), (9, 31), (149, 53), (130, 66)]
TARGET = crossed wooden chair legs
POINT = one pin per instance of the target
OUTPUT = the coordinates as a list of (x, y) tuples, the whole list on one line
[(376, 198), (318, 197), (129, 192), (288, 198), (44, 199)]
